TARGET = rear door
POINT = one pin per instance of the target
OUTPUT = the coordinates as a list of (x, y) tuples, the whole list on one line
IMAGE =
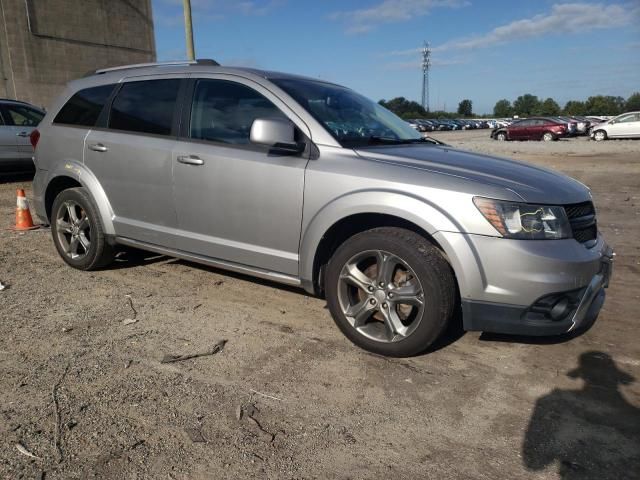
[(237, 201), (537, 129), (131, 157)]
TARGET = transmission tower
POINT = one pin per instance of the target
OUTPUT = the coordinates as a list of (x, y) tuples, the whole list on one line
[(426, 65)]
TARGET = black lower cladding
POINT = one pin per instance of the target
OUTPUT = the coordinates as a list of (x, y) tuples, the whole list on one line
[(522, 320)]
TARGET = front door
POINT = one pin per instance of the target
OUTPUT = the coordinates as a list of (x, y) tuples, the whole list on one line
[(131, 158), (518, 130), (237, 201), (626, 126), (25, 120), (8, 145)]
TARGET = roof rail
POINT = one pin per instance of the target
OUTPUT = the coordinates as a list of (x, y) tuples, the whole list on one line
[(200, 61)]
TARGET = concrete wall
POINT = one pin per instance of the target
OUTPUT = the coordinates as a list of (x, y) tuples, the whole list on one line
[(46, 43)]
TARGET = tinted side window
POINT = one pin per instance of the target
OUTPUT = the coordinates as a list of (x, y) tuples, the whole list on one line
[(85, 106), (146, 106), (224, 111)]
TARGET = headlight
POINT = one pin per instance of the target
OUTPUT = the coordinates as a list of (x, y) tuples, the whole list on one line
[(525, 221)]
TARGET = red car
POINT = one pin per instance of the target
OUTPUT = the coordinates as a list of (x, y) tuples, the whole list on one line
[(531, 129)]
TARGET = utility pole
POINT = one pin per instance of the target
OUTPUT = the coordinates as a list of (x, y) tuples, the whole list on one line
[(188, 30), (426, 65)]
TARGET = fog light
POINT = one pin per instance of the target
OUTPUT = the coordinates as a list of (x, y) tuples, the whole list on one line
[(560, 309)]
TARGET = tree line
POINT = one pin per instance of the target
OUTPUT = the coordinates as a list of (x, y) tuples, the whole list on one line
[(524, 106), (410, 109), (527, 105)]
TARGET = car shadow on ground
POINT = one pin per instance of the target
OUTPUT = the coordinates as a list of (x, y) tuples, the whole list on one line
[(128, 257), (532, 340), (587, 433)]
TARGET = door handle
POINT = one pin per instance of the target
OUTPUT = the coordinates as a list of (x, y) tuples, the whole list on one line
[(98, 147), (190, 160), (22, 134)]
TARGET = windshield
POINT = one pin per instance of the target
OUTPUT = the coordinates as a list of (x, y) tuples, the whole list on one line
[(353, 120)]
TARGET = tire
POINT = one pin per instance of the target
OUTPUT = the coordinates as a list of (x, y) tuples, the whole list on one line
[(77, 230), (548, 137), (599, 135), (374, 315), (501, 136)]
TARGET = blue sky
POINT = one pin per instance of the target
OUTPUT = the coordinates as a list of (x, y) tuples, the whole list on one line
[(482, 49)]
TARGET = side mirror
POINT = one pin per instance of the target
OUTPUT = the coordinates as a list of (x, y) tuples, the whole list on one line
[(277, 133)]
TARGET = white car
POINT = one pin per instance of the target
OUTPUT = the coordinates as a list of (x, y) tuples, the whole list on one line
[(626, 125)]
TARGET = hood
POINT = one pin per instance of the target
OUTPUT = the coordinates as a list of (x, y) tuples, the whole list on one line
[(533, 184)]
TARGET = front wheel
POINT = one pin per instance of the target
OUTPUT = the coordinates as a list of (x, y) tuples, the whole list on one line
[(390, 291), (77, 231), (501, 136), (600, 135)]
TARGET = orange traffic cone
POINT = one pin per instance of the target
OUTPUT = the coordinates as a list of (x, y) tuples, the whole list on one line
[(23, 215)]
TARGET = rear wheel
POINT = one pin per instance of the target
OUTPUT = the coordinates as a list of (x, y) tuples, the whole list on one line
[(600, 135), (501, 136), (77, 231), (390, 291), (548, 137)]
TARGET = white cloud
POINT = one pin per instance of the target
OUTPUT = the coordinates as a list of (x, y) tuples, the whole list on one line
[(390, 11), (563, 18)]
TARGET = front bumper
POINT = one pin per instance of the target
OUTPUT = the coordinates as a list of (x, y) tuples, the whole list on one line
[(574, 310), (512, 286)]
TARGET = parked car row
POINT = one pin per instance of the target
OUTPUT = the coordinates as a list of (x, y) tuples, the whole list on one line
[(443, 124), (17, 121), (552, 128)]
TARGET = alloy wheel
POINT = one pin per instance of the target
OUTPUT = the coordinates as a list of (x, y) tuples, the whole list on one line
[(381, 296), (73, 230)]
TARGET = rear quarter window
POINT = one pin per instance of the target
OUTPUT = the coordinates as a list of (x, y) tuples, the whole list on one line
[(84, 107), (145, 106)]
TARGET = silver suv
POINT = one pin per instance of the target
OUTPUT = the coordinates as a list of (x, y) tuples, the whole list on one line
[(308, 183)]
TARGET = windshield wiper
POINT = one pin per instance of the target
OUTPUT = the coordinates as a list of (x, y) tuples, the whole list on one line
[(375, 139), (403, 141)]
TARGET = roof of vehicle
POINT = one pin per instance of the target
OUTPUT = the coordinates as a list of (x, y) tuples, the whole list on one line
[(186, 66), (20, 102)]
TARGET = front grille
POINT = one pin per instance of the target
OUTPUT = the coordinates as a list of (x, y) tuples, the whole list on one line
[(582, 217)]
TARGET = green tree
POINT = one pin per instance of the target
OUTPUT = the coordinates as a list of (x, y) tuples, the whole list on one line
[(404, 108), (548, 107), (633, 103), (443, 114), (503, 108), (465, 107), (574, 107), (526, 105), (604, 105)]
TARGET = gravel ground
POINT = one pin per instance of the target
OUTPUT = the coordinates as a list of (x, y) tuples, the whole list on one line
[(88, 395)]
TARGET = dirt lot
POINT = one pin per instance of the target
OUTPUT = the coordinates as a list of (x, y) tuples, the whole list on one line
[(74, 376)]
